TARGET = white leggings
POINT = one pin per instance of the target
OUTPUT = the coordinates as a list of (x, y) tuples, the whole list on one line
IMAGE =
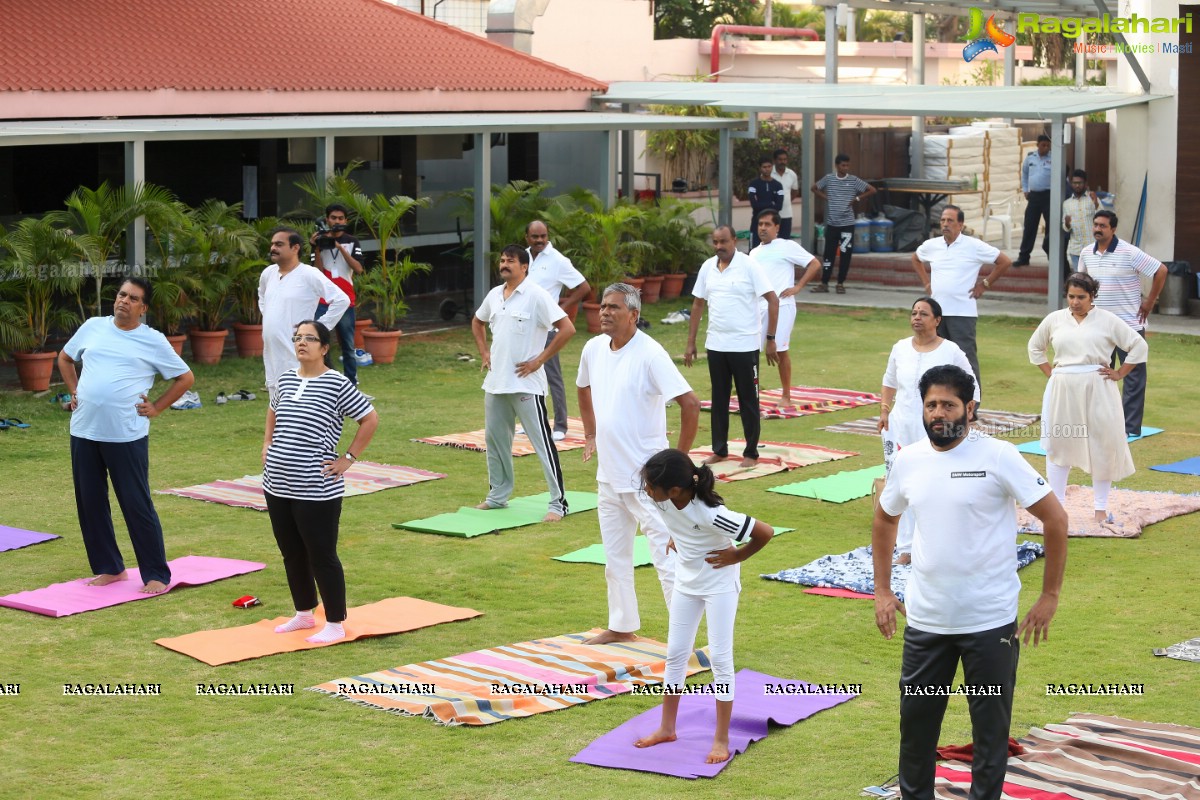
[(1058, 482), (686, 610)]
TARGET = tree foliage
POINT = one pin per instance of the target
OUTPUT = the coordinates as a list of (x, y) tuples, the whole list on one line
[(694, 19)]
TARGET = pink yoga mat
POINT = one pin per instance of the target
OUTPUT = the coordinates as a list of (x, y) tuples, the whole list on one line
[(16, 538), (826, 591), (75, 597), (753, 708)]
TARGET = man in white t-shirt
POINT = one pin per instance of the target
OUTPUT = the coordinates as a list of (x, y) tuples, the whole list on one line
[(110, 432), (791, 190), (288, 294), (729, 286), (554, 272), (625, 380), (779, 258), (962, 596), (520, 314), (949, 268), (1119, 266)]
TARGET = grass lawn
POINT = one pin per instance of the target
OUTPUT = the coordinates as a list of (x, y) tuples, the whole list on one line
[(1120, 599)]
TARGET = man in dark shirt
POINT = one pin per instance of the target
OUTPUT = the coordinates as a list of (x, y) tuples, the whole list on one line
[(764, 192)]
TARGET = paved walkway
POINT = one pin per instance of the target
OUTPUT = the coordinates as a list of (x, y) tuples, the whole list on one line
[(993, 303)]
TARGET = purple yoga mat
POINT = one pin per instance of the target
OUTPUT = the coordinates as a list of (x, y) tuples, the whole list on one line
[(16, 538), (74, 597), (753, 708)]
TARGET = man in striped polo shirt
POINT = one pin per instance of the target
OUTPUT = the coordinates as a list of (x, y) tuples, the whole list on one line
[(1119, 266), (839, 190)]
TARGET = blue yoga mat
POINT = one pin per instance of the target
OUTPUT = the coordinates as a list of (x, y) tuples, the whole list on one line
[(1189, 466), (1034, 448)]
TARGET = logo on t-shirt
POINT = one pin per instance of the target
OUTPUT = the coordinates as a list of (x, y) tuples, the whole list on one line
[(1041, 482), (979, 474)]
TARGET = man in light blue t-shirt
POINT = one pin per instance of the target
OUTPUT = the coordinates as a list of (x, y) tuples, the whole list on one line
[(110, 432)]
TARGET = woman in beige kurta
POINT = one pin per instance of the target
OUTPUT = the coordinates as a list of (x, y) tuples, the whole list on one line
[(1083, 424)]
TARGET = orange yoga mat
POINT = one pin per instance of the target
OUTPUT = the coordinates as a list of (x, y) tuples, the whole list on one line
[(394, 615)]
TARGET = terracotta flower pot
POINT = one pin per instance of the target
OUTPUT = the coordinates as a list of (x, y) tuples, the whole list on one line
[(177, 342), (207, 346), (249, 340), (361, 325), (672, 285), (35, 370), (652, 288), (381, 345), (636, 283), (592, 310)]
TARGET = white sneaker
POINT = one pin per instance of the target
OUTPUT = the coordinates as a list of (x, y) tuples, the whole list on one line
[(558, 436)]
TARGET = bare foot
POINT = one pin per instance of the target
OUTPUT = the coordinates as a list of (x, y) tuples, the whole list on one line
[(658, 737), (105, 580), (153, 587), (714, 459), (608, 637), (786, 402), (749, 462), (718, 754), (903, 558), (1101, 516), (552, 517), (484, 506)]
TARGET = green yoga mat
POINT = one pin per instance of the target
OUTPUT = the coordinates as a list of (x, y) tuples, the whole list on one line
[(840, 487), (594, 553), (468, 522)]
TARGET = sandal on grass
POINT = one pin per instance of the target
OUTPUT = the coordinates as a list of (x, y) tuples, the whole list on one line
[(13, 422), (242, 394)]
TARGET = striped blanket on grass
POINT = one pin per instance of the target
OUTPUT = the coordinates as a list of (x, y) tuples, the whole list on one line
[(521, 446), (806, 400), (993, 423), (773, 457), (365, 477), (1091, 756), (517, 680)]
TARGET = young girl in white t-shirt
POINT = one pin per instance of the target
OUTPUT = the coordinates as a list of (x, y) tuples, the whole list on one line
[(707, 582)]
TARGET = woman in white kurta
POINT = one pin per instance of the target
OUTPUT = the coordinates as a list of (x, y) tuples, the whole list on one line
[(1083, 424), (901, 420)]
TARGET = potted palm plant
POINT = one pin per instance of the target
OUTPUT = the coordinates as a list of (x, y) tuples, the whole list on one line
[(679, 243), (44, 264), (382, 286), (170, 305), (245, 274), (602, 244), (213, 245)]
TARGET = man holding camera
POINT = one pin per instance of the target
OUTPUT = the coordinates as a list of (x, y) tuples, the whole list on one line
[(339, 255)]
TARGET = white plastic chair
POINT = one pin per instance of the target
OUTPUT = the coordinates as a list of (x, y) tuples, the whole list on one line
[(1003, 219)]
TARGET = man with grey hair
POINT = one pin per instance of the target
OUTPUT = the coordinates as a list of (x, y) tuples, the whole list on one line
[(730, 285), (625, 380)]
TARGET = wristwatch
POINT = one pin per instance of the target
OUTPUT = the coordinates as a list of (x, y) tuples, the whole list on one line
[(350, 456), (770, 337), (986, 285)]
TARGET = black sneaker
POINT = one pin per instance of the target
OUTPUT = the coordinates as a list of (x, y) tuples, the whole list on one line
[(1021, 262)]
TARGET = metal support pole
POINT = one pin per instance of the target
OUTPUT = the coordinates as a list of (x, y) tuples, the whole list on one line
[(808, 176), (1058, 172), (325, 158), (135, 234), (831, 76), (627, 164), (917, 156), (1080, 122), (725, 178), (483, 215), (1010, 72), (608, 169)]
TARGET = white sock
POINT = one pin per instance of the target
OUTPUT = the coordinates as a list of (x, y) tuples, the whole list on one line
[(1100, 489), (302, 621), (332, 632), (1058, 475)]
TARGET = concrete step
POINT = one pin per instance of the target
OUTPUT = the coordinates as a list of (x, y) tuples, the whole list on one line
[(895, 270)]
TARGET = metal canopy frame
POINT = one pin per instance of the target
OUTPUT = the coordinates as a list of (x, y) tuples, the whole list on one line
[(1055, 104), (134, 133)]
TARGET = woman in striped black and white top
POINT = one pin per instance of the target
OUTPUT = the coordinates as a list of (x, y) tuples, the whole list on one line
[(302, 477)]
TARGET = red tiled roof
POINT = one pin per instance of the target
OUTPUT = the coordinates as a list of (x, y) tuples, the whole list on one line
[(256, 46)]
